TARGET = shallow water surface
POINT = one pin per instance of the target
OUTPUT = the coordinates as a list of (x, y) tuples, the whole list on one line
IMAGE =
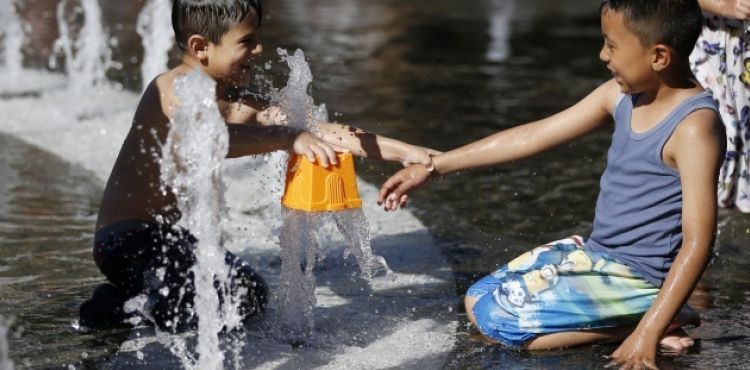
[(46, 212), (438, 75)]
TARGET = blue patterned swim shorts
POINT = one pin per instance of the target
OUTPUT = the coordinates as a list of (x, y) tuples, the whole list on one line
[(559, 287)]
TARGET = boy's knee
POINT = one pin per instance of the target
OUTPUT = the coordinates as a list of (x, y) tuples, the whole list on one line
[(495, 323), (469, 302)]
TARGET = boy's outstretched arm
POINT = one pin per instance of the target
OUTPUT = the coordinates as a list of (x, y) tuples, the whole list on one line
[(250, 139), (516, 143), (366, 144), (698, 144), (361, 143)]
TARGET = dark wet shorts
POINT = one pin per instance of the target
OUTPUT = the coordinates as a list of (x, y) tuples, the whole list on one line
[(155, 261)]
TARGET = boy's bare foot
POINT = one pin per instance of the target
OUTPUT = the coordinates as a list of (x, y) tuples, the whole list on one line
[(676, 341)]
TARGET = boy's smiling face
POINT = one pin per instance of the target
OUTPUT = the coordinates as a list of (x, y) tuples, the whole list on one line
[(627, 59), (231, 60)]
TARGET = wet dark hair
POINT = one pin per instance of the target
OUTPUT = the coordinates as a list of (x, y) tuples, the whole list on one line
[(675, 23), (210, 18)]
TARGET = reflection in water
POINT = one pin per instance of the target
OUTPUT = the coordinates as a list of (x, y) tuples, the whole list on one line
[(45, 237)]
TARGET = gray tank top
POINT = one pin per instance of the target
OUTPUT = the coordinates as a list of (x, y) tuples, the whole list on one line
[(639, 210)]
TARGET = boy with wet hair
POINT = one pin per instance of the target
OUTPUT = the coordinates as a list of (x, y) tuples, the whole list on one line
[(137, 245), (656, 211), (194, 17)]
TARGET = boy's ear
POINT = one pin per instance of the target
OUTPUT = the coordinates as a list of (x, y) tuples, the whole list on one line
[(198, 46), (661, 57)]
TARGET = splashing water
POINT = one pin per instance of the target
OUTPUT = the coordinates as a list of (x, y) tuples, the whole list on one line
[(299, 247), (353, 224), (301, 112), (12, 33), (293, 99), (197, 144), (299, 251), (157, 37), (5, 362), (88, 57)]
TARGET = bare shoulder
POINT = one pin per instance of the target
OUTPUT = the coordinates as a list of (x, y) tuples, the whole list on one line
[(608, 94), (697, 141), (162, 89), (157, 103), (701, 126), (590, 113)]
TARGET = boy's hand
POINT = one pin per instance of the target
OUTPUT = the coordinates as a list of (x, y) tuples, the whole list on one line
[(418, 155), (736, 9), (393, 193), (638, 351), (310, 146)]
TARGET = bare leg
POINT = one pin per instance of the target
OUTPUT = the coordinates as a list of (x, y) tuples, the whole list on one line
[(675, 339), (577, 338), (469, 303)]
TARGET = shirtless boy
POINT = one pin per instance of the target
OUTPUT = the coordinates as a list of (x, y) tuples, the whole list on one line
[(137, 245)]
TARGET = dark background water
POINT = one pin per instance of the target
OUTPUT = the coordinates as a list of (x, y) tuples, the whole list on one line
[(414, 70)]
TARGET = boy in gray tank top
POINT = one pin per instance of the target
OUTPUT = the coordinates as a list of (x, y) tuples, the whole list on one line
[(656, 212)]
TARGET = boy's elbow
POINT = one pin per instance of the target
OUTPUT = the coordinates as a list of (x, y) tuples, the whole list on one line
[(698, 248)]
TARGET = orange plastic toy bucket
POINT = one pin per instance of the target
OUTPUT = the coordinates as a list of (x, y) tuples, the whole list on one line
[(314, 188)]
